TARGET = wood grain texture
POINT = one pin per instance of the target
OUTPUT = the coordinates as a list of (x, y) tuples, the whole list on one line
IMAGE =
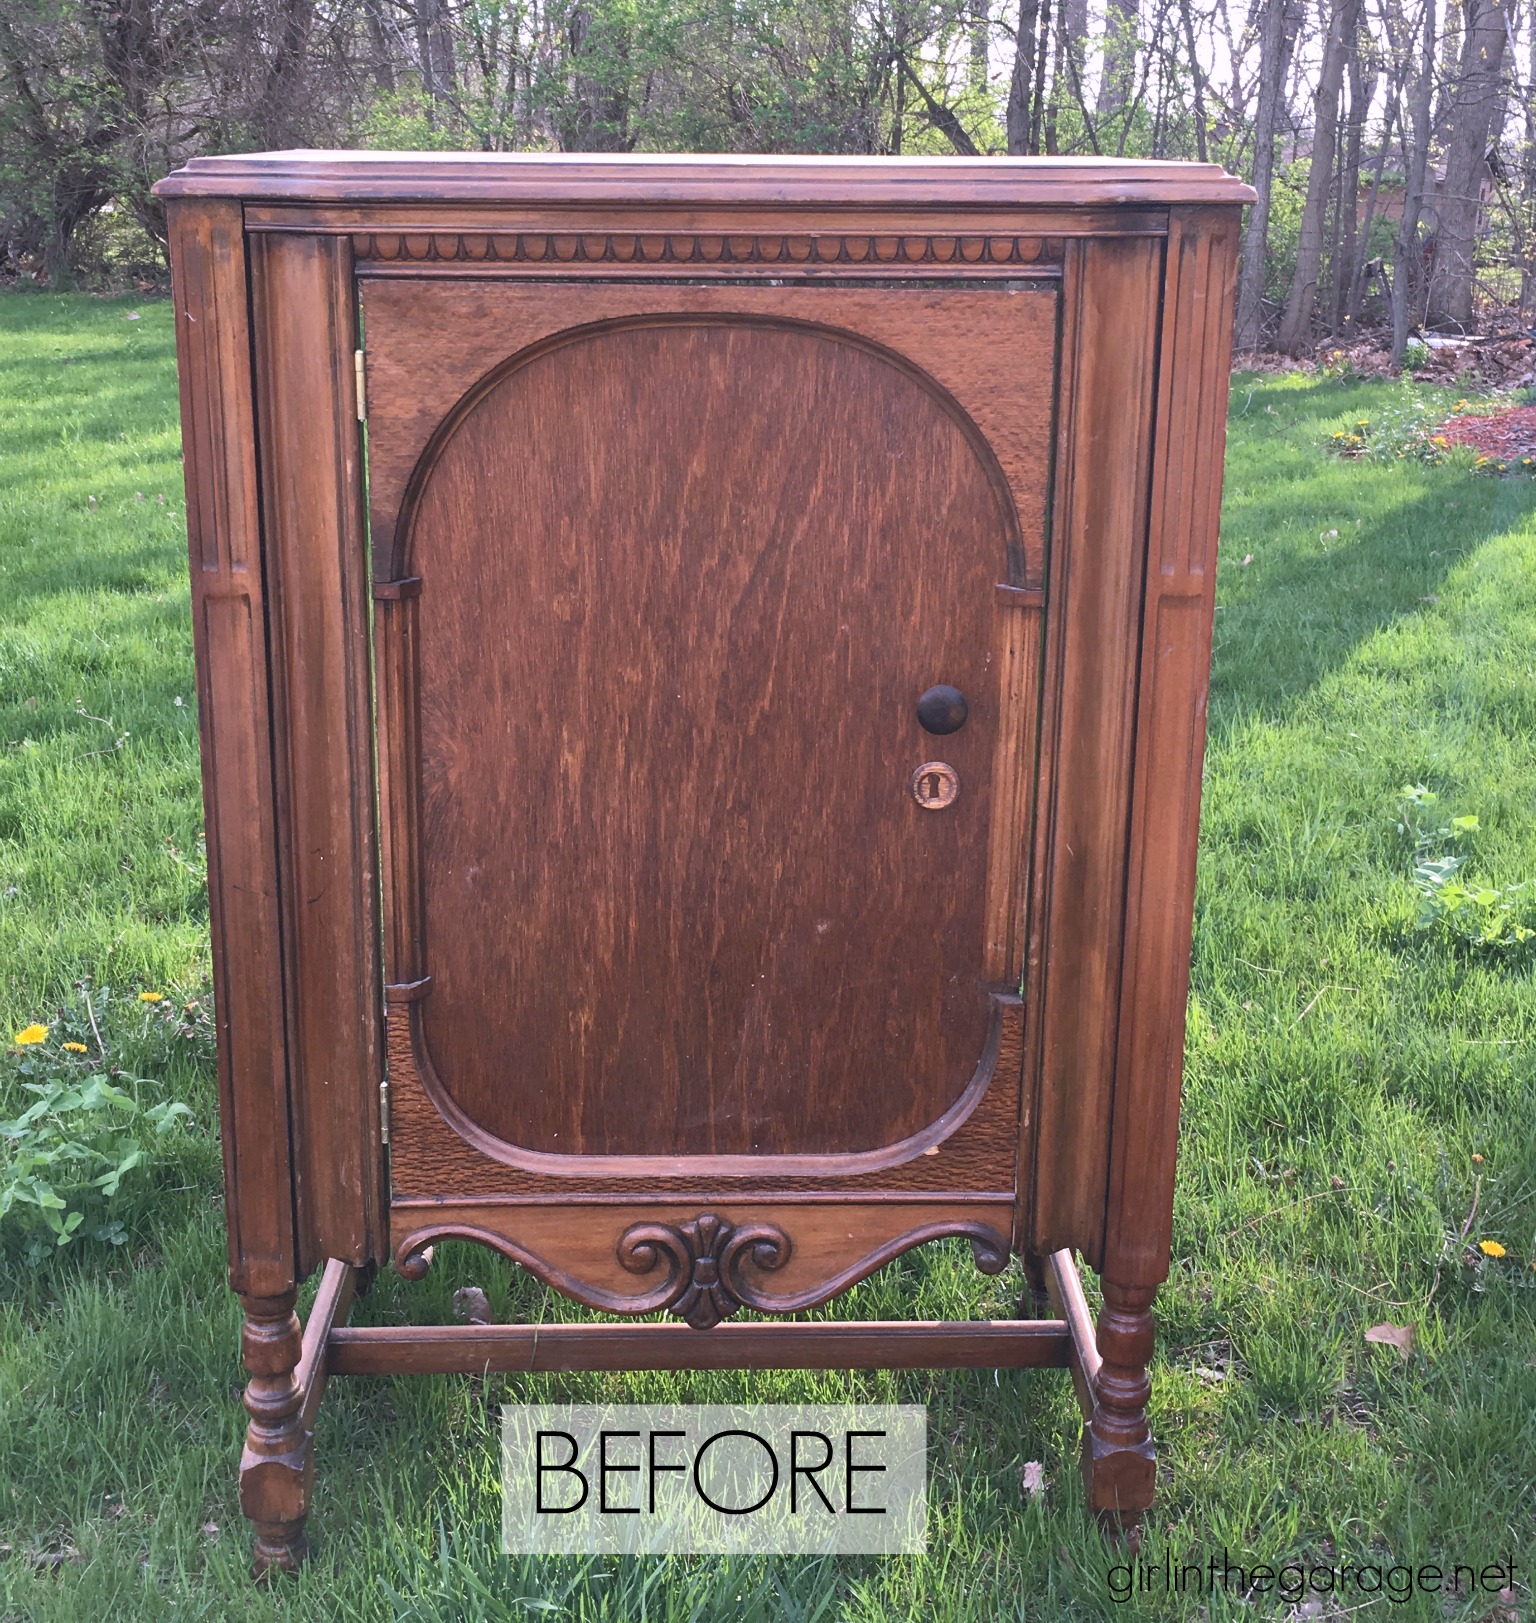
[(992, 349), (277, 1465), (209, 293), (339, 1283), (638, 1257), (687, 477), (1064, 1292), (695, 574), (397, 681), (797, 224), (435, 1152), (319, 583), (445, 178), (1119, 1462), (1016, 639), (1170, 740), (529, 1349), (1093, 628)]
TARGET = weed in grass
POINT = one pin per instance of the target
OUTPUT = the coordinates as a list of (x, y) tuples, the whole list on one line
[(1496, 921), (77, 1160)]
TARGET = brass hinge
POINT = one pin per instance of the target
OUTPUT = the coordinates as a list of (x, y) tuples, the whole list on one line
[(384, 1111), (362, 386)]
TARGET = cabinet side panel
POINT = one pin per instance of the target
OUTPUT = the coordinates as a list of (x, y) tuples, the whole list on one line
[(1170, 737), (318, 580), (1111, 291), (229, 635)]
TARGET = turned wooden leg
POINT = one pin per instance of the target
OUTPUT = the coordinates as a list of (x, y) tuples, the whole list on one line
[(276, 1469), (1038, 1300), (1119, 1466)]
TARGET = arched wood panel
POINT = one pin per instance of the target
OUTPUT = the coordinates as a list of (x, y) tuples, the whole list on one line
[(682, 583)]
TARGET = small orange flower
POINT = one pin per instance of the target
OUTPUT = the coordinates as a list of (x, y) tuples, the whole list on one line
[(74, 1048), (1491, 1248), (30, 1036)]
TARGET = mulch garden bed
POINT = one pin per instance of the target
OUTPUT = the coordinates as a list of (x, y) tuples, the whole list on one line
[(1507, 435)]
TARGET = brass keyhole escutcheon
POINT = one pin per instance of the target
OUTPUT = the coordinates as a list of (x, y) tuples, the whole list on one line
[(935, 785)]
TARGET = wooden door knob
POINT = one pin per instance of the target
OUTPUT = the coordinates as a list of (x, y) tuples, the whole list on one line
[(942, 710)]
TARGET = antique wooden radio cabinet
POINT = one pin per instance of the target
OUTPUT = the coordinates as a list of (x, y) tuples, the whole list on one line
[(702, 670)]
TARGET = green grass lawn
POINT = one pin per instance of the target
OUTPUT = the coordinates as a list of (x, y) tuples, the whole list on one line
[(1360, 1104)]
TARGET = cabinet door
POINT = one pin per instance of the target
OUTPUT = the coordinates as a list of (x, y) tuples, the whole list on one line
[(685, 874)]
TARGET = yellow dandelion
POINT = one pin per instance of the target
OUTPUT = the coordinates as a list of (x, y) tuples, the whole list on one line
[(1491, 1248), (151, 997), (75, 1048), (31, 1035)]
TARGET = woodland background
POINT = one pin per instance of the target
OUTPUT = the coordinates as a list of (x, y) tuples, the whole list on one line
[(1392, 142)]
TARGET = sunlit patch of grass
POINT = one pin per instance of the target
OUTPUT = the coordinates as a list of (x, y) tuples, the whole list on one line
[(98, 729)]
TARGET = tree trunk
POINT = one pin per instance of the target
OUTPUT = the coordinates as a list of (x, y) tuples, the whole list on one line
[(1527, 196), (434, 42), (1076, 15), (1038, 98), (1060, 69), (1276, 40), (980, 42), (1405, 262), (1362, 92), (378, 40), (1296, 325), (599, 118), (1067, 77), (1074, 27), (1121, 20), (283, 102), (1363, 257), (1021, 86), (1197, 78), (1473, 103)]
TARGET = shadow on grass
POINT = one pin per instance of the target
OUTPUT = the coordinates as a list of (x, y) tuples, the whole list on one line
[(1309, 600)]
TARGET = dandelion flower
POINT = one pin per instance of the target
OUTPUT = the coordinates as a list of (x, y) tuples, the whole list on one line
[(74, 1048), (31, 1035), (1491, 1248), (151, 997)]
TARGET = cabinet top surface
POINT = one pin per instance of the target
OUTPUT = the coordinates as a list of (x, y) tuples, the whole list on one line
[(830, 182)]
